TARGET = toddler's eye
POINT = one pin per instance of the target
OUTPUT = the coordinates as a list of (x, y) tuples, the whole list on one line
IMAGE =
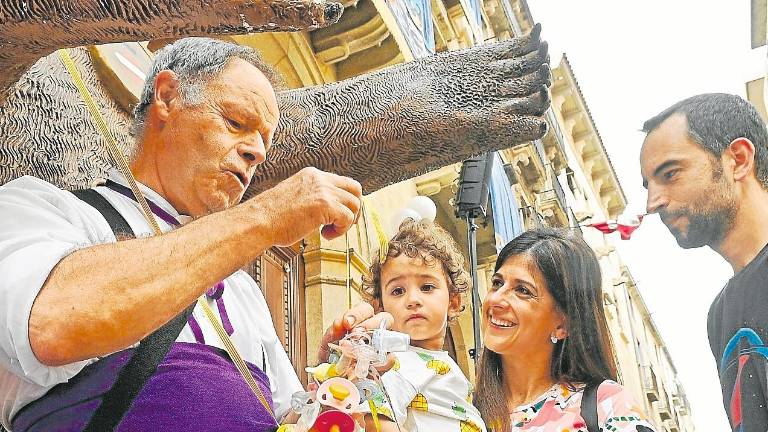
[(397, 291), (428, 287)]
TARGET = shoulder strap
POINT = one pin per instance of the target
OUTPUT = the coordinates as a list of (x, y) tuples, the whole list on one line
[(115, 220), (151, 351), (589, 407)]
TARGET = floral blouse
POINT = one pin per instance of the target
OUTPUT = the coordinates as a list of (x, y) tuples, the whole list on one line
[(559, 410)]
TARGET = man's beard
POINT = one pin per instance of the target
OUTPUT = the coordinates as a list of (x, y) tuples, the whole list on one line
[(710, 218), (704, 229)]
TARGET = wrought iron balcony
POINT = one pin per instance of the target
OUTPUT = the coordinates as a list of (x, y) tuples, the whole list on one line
[(574, 223), (551, 203)]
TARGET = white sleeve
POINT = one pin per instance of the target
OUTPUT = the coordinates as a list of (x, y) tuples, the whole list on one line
[(39, 225), (282, 377)]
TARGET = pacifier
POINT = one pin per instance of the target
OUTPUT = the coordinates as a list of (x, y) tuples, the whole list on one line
[(339, 393), (386, 341)]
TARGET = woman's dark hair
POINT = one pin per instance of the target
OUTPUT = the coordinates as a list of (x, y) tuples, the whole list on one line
[(573, 278)]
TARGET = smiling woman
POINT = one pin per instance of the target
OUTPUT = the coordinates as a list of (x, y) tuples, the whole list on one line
[(546, 340)]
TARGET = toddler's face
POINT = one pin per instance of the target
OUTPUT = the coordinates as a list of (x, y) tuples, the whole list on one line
[(416, 294)]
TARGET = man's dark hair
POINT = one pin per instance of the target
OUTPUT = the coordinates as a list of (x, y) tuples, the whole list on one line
[(715, 120)]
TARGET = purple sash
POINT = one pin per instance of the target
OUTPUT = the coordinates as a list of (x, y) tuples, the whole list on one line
[(196, 388)]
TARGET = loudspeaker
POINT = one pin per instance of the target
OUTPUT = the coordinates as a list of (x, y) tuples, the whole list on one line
[(474, 186)]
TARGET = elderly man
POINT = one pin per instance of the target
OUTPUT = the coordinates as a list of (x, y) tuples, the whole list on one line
[(75, 302), (705, 165)]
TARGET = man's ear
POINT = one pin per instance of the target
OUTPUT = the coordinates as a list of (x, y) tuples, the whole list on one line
[(166, 94), (741, 153)]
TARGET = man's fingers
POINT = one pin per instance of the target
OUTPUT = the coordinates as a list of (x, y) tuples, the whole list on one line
[(375, 321), (343, 219), (347, 210), (348, 184), (349, 200), (358, 314)]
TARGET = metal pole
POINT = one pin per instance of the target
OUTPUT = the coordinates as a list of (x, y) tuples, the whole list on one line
[(472, 242)]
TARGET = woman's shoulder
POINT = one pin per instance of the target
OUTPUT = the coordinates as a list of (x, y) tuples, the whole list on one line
[(610, 390), (618, 408)]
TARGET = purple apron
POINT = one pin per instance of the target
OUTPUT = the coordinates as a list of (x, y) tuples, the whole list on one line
[(196, 388)]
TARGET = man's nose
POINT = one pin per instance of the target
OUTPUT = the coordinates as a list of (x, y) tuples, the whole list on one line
[(252, 150), (656, 200)]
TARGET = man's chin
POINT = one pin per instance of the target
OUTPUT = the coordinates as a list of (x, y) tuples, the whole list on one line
[(221, 202), (687, 242)]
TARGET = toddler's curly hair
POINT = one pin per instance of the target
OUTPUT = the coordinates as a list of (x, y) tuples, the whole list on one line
[(433, 244)]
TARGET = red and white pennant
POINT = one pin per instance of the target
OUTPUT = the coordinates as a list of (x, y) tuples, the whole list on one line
[(624, 227)]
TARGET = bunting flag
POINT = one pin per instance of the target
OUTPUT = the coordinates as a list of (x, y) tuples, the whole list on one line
[(624, 227)]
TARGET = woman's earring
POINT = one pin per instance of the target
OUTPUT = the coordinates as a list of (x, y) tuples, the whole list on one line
[(553, 339)]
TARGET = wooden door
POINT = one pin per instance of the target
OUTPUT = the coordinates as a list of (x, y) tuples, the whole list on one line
[(280, 274)]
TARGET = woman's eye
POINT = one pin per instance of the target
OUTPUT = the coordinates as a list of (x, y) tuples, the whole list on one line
[(524, 291), (496, 284)]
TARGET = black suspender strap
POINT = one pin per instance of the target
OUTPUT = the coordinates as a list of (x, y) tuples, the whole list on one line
[(151, 351), (589, 407), (115, 220)]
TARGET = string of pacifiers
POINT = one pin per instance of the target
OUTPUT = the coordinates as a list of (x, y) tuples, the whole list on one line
[(350, 378), (347, 380)]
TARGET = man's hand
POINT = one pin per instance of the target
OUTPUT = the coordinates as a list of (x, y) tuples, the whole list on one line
[(307, 200), (361, 314)]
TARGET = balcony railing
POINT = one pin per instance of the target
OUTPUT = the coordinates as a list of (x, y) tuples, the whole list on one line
[(650, 384), (574, 223), (671, 425), (531, 218), (559, 136), (540, 151), (556, 186), (680, 404), (662, 410), (551, 201)]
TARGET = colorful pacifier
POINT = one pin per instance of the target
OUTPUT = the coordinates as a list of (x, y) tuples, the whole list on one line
[(340, 394), (334, 421)]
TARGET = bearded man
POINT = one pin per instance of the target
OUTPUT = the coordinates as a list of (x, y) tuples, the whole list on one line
[(704, 163)]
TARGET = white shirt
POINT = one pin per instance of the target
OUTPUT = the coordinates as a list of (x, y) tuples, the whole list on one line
[(41, 224), (429, 393)]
